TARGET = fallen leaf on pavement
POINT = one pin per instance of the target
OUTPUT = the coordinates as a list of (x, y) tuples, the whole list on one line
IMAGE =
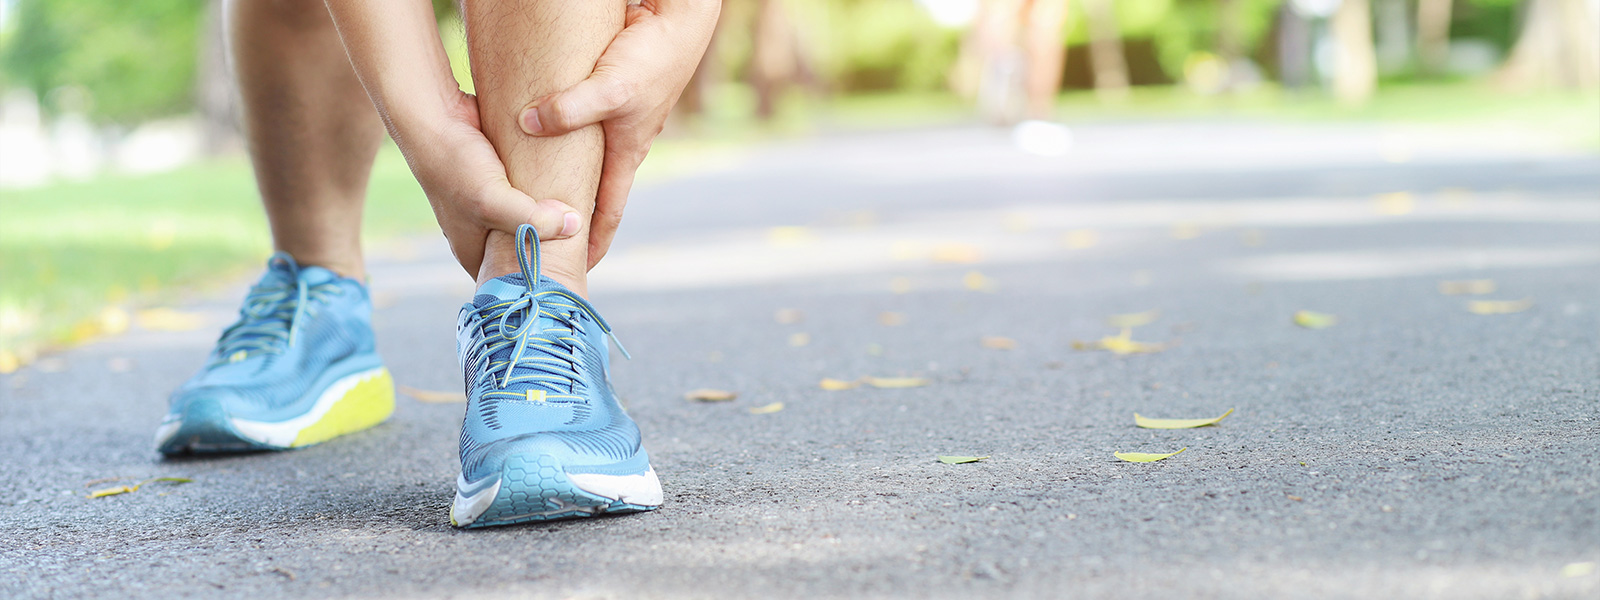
[(1469, 287), (960, 460), (1149, 423), (788, 316), (432, 397), (166, 319), (1314, 320), (834, 385), (1120, 344), (710, 395), (799, 339), (1137, 319), (1142, 457), (896, 382), (1079, 239), (1294, 497), (976, 282), (790, 236), (962, 254), (900, 285), (995, 342), (891, 319), (1396, 203), (1499, 307), (1579, 569), (767, 410), (128, 489)]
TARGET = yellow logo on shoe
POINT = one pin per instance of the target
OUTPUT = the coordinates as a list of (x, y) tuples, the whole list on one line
[(536, 395)]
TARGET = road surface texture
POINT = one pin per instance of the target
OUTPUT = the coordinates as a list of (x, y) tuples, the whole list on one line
[(1414, 449)]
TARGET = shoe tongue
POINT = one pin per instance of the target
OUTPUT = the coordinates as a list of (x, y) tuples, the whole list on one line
[(510, 287), (317, 275)]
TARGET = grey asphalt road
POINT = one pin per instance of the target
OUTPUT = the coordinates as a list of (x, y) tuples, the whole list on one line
[(1413, 450)]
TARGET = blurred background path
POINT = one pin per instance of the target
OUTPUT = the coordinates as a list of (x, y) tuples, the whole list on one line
[(1415, 448)]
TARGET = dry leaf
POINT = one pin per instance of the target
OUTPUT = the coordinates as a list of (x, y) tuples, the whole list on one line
[(1499, 307), (768, 409), (166, 319), (710, 395), (961, 254), (900, 285), (891, 319), (1149, 423), (834, 385), (960, 460), (1469, 287), (113, 320), (1142, 457), (1314, 320), (790, 236), (129, 489), (1250, 237), (896, 382), (799, 339), (1018, 223), (788, 316), (1185, 231), (430, 396), (1579, 569), (1120, 344), (1079, 239), (1396, 203), (1138, 319), (995, 342), (976, 282), (874, 349), (1293, 497)]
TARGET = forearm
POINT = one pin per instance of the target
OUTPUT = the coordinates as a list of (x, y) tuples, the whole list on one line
[(395, 49)]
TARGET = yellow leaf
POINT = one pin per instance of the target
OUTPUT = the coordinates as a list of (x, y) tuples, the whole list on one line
[(900, 285), (1185, 231), (1138, 319), (113, 320), (1469, 287), (1579, 569), (430, 396), (962, 254), (960, 460), (768, 409), (976, 282), (1120, 344), (166, 319), (1499, 307), (1079, 239), (896, 382), (834, 385), (1018, 223), (112, 491), (799, 339), (1395, 204), (1143, 457), (790, 236), (891, 319), (788, 316), (1149, 423), (995, 342), (710, 395), (1314, 320), (9, 362)]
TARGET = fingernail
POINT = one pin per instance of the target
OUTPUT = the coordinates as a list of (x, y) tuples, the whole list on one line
[(569, 225), (530, 121)]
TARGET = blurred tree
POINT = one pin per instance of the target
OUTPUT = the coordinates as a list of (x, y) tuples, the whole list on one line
[(1105, 50), (1559, 46), (1355, 73), (1433, 34), (136, 60), (215, 95), (1046, 54)]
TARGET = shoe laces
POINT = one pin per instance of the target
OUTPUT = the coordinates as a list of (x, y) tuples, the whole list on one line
[(546, 359), (273, 312)]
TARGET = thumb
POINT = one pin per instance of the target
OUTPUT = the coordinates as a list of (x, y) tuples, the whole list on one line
[(591, 101), (505, 209)]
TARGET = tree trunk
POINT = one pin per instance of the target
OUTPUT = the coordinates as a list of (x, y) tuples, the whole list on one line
[(1046, 55), (773, 64), (1557, 47), (216, 98), (1433, 34), (1105, 50), (1355, 76)]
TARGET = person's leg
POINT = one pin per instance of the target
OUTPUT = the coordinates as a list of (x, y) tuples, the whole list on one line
[(312, 131), (521, 50)]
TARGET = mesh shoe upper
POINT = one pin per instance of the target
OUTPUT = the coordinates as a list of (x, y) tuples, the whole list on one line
[(535, 362), (295, 323)]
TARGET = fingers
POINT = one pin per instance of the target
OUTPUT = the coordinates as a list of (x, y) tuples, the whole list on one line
[(503, 208), (591, 101), (616, 179)]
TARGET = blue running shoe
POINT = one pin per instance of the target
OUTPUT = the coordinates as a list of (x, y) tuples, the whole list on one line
[(544, 437), (298, 368)]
